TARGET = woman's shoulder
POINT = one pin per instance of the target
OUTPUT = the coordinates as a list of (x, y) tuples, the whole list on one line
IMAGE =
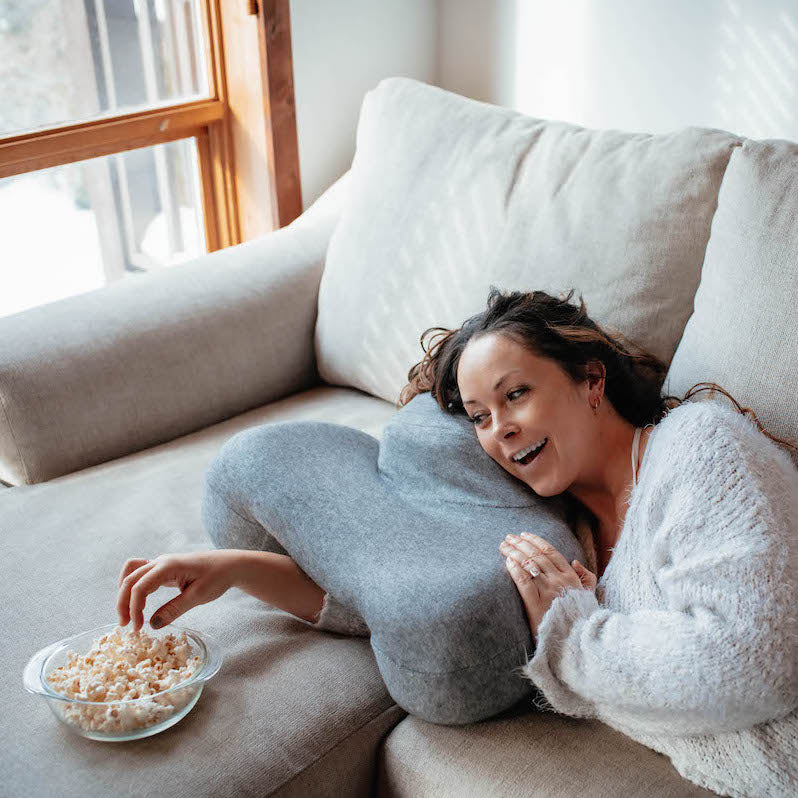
[(703, 416), (707, 421), (709, 439)]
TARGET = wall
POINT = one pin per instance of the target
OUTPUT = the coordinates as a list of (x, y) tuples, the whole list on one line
[(652, 67), (341, 49)]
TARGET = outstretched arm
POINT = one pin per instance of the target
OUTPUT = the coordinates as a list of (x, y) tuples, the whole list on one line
[(279, 581)]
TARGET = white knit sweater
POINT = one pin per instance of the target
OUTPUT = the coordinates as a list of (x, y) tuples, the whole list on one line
[(690, 643)]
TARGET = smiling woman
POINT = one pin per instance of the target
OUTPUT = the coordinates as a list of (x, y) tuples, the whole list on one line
[(533, 367), (688, 640), (554, 365)]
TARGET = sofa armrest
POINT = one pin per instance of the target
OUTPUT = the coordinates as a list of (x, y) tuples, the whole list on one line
[(155, 356)]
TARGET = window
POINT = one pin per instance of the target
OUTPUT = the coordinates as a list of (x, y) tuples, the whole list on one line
[(120, 129)]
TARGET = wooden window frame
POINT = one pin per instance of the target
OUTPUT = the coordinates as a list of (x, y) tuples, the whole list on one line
[(209, 121)]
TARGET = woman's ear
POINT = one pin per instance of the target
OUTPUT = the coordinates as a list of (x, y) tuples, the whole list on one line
[(596, 374)]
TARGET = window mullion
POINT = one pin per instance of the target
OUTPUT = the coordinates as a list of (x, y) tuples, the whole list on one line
[(57, 146)]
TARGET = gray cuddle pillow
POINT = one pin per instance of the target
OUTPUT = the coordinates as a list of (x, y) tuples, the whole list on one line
[(404, 534)]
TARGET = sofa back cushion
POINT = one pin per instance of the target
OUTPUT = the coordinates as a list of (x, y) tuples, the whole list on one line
[(743, 334), (450, 196)]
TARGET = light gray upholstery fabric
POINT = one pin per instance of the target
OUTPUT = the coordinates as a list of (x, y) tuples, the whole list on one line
[(288, 701), (450, 195), (522, 754), (405, 533), (141, 361), (743, 334)]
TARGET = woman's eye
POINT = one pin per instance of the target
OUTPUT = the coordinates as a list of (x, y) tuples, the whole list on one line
[(476, 419)]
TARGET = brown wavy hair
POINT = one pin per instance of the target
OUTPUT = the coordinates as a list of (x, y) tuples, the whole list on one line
[(561, 331)]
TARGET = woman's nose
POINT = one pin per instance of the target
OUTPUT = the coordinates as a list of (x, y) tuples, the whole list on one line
[(503, 426)]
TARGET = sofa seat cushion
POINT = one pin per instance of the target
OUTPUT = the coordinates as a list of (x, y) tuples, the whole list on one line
[(523, 753), (287, 697), (450, 195), (743, 334)]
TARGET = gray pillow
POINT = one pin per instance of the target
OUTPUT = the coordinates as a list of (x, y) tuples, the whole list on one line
[(403, 534)]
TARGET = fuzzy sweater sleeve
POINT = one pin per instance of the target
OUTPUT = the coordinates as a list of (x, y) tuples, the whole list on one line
[(712, 646)]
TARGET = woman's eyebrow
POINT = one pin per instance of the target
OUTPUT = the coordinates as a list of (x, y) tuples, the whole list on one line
[(495, 387)]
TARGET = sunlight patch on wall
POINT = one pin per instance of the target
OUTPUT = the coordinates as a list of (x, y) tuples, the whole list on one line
[(758, 78), (552, 58)]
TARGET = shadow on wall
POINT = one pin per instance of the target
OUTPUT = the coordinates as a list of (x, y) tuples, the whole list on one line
[(477, 49)]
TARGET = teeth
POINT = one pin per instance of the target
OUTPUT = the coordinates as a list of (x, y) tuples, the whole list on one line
[(524, 452)]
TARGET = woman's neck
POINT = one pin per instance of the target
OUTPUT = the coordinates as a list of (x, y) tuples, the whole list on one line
[(607, 492)]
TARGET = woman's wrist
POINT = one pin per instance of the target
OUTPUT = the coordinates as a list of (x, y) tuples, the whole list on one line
[(277, 580), (244, 567)]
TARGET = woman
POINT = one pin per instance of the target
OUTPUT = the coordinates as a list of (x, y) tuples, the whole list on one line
[(690, 643), (685, 638)]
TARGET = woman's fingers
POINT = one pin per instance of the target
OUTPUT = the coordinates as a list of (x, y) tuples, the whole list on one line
[(130, 566), (132, 571), (529, 590), (148, 582), (136, 597), (540, 573), (549, 553), (588, 579), (524, 581), (511, 550), (526, 551), (520, 575), (174, 608)]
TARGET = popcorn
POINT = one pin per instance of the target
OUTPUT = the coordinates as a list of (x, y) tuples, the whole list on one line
[(123, 667)]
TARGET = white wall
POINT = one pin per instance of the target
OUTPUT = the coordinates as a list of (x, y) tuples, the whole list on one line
[(341, 49), (648, 66), (476, 49)]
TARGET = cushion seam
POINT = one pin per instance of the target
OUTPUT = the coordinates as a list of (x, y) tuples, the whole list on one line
[(14, 439), (339, 742)]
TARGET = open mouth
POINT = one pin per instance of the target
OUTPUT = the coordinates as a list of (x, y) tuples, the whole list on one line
[(533, 455)]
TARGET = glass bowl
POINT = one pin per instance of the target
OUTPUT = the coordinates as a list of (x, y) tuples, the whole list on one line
[(121, 719)]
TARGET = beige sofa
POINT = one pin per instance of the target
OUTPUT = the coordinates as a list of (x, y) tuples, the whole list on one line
[(114, 402)]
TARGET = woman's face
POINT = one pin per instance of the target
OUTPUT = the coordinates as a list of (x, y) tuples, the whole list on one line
[(536, 401)]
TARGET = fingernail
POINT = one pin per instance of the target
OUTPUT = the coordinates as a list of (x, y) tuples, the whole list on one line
[(155, 622)]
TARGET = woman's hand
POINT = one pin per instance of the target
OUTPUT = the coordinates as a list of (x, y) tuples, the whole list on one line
[(540, 572), (201, 576)]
